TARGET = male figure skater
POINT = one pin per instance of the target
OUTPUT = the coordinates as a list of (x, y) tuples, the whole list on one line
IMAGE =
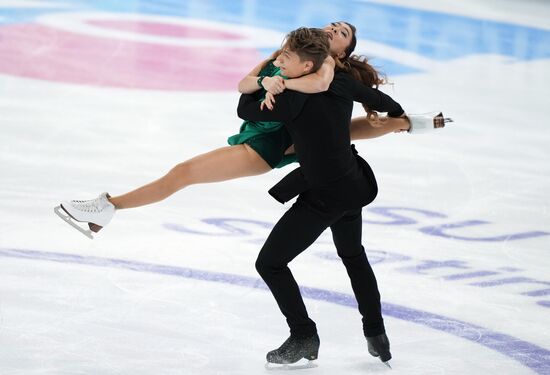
[(332, 183)]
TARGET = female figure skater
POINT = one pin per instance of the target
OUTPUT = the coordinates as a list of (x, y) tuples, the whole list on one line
[(257, 149)]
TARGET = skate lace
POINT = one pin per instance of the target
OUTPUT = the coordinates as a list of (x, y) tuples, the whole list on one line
[(92, 205)]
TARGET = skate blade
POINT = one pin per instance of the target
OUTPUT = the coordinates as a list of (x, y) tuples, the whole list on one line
[(387, 363), (290, 366), (440, 121), (59, 211)]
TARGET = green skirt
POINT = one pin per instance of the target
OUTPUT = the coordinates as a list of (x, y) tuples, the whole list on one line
[(269, 140)]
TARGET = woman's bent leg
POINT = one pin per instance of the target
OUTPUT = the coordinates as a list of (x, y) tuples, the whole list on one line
[(361, 128), (222, 164)]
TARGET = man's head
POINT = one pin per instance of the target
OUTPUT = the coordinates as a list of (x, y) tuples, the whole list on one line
[(303, 52)]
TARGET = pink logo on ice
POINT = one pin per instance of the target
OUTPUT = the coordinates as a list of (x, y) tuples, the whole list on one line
[(150, 54)]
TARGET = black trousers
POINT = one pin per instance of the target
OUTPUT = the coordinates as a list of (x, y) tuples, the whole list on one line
[(299, 227)]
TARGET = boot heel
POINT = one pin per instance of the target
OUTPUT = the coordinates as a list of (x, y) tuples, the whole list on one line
[(94, 227), (312, 355)]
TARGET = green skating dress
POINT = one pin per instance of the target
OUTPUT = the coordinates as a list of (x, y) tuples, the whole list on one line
[(268, 139)]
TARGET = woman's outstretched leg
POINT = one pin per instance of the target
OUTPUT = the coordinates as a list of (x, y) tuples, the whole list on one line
[(222, 164)]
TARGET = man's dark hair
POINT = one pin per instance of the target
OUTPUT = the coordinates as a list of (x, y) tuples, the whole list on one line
[(309, 44)]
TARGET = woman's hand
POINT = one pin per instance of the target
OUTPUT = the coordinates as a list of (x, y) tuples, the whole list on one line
[(274, 85), (268, 102)]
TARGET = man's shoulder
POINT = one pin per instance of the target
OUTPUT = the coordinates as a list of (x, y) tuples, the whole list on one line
[(340, 83)]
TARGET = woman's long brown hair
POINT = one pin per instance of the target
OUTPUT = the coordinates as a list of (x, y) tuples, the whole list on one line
[(360, 68)]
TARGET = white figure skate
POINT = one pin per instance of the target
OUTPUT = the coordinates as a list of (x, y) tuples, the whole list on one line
[(97, 213), (427, 122)]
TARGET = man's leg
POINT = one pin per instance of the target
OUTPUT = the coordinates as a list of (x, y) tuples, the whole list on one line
[(299, 227), (346, 234)]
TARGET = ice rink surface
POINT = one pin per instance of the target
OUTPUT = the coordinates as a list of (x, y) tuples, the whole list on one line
[(102, 95)]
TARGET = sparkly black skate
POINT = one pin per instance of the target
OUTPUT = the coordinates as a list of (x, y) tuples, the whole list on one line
[(379, 346), (293, 350)]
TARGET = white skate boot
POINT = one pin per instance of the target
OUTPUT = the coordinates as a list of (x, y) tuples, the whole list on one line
[(427, 122), (96, 212)]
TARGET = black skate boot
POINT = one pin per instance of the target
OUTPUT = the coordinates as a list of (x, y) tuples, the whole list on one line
[(294, 349), (379, 346)]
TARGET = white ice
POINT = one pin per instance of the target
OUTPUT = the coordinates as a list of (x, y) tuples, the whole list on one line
[(112, 305)]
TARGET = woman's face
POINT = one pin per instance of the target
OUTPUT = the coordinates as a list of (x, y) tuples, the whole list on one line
[(339, 35)]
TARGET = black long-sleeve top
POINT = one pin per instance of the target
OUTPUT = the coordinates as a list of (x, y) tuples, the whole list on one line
[(319, 125)]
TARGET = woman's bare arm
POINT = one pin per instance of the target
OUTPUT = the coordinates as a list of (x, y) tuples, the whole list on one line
[(314, 82), (308, 84), (249, 83)]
